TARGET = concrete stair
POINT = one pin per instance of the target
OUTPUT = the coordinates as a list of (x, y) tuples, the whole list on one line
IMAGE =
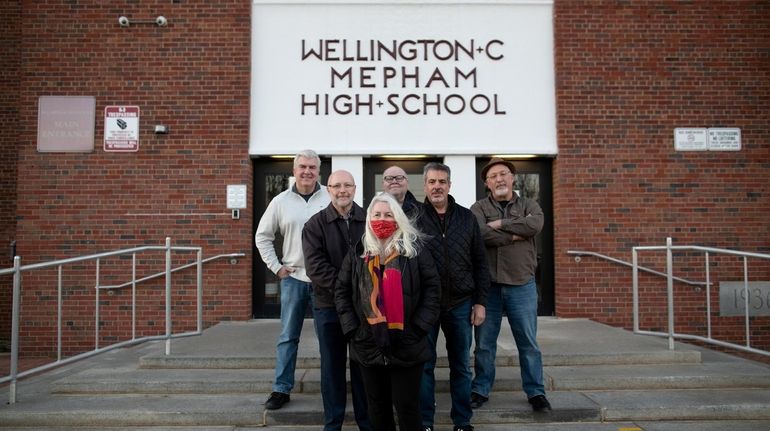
[(597, 378)]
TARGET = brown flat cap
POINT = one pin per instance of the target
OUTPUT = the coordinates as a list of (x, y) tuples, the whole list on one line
[(496, 161)]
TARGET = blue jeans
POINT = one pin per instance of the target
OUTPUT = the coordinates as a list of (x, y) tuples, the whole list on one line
[(295, 296), (334, 357), (456, 324), (520, 304)]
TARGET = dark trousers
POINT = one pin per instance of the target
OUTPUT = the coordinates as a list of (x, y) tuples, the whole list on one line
[(389, 386), (334, 358)]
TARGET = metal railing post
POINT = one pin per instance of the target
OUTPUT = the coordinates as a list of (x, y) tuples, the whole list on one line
[(635, 286), (58, 317), (133, 296), (708, 297), (670, 292), (96, 326), (200, 290), (168, 295), (15, 327), (746, 302)]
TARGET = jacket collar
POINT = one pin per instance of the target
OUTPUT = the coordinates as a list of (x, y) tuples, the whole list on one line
[(315, 190), (357, 213), (449, 208)]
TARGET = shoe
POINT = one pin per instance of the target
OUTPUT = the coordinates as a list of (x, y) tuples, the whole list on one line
[(540, 403), (427, 428), (477, 400), (463, 428), (276, 400)]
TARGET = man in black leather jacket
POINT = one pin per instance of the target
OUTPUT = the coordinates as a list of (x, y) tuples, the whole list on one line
[(454, 240)]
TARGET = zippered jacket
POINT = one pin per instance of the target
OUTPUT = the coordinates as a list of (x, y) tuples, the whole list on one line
[(421, 295), (326, 239), (458, 251), (510, 262), (286, 214)]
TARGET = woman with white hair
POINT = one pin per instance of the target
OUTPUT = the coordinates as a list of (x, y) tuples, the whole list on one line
[(388, 298)]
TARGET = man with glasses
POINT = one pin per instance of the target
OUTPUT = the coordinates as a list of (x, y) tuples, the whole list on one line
[(395, 182), (509, 224), (286, 214), (326, 239)]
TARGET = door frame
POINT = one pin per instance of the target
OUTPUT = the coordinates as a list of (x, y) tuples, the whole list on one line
[(545, 272), (260, 308)]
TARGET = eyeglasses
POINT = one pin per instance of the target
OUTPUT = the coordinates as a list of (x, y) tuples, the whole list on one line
[(394, 178), (499, 175), (346, 186)]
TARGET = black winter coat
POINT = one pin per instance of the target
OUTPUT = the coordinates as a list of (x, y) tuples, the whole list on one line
[(422, 296), (458, 251), (326, 239)]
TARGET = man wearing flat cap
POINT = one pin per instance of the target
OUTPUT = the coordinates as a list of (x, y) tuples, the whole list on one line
[(508, 225)]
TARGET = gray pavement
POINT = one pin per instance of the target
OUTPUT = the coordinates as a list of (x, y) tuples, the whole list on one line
[(597, 378)]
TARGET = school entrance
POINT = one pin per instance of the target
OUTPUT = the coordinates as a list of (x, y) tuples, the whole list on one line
[(273, 175)]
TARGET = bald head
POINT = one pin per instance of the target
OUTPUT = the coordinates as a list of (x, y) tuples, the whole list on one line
[(395, 183), (342, 189)]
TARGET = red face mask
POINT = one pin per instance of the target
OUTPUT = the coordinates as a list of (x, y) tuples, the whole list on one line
[(383, 229)]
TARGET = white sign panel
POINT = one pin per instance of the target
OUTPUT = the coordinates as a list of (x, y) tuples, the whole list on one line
[(121, 128), (236, 196), (690, 139), (402, 77), (724, 139)]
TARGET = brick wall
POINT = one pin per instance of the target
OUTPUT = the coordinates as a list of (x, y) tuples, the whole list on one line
[(627, 74), (192, 76), (10, 66)]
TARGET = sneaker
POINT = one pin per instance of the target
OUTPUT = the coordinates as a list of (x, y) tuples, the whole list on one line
[(463, 428), (276, 400), (477, 400), (540, 403), (427, 428)]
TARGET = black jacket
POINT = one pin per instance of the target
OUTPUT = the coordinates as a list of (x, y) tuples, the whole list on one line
[(458, 251), (326, 239), (411, 205), (422, 296)]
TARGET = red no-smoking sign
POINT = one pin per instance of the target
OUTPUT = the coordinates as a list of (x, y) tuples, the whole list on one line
[(121, 128)]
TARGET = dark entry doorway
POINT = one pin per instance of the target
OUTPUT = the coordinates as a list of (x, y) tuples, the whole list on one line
[(533, 180), (373, 169), (271, 177)]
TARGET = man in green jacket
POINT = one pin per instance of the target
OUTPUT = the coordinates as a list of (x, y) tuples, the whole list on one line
[(509, 224)]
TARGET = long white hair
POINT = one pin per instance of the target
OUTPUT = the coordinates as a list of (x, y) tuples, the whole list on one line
[(406, 239)]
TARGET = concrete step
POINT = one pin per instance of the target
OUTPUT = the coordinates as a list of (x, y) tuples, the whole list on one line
[(733, 425), (240, 410), (159, 361), (564, 342), (129, 379)]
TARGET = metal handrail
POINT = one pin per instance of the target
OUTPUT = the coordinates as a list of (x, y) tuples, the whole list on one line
[(579, 253), (670, 248), (18, 269)]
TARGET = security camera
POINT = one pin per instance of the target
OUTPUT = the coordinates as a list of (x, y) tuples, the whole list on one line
[(161, 21), (123, 21)]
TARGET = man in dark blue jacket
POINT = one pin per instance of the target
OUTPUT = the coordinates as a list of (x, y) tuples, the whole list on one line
[(454, 240), (326, 239)]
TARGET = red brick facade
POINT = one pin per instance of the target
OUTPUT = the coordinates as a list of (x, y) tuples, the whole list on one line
[(627, 74), (10, 67), (192, 76)]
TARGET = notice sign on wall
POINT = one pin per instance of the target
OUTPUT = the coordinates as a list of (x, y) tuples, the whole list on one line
[(703, 139), (121, 128), (402, 77)]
